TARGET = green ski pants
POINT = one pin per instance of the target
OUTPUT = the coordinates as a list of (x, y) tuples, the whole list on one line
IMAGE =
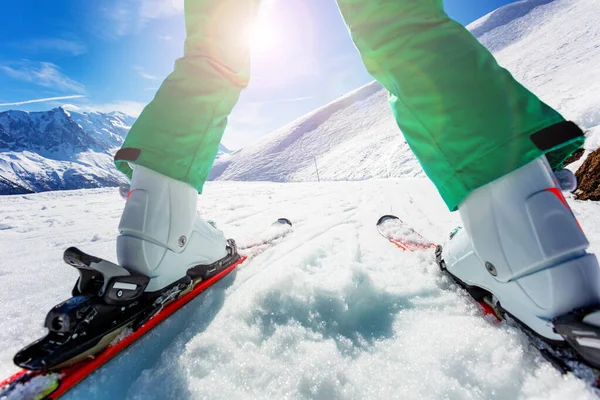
[(466, 119)]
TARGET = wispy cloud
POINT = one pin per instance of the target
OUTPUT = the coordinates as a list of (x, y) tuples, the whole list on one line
[(129, 16), (132, 108), (47, 99), (42, 74), (71, 47), (154, 9), (246, 123), (291, 100), (141, 72)]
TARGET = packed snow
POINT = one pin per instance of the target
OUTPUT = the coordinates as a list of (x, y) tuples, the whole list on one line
[(550, 46), (334, 311)]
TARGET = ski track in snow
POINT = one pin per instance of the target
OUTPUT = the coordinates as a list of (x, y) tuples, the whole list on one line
[(334, 311)]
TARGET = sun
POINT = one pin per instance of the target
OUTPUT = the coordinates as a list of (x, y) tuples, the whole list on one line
[(264, 36), (267, 32)]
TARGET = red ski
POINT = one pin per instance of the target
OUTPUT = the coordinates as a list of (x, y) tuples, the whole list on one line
[(563, 358), (402, 235), (53, 383)]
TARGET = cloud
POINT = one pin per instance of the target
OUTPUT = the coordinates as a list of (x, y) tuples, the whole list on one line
[(19, 103), (144, 74), (42, 74), (247, 122), (291, 100), (54, 45), (154, 9), (130, 16), (178, 4), (133, 108)]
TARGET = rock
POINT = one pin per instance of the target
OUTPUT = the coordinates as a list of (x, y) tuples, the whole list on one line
[(588, 177), (574, 157)]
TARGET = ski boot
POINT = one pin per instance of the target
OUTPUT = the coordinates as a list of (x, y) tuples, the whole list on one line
[(164, 249), (162, 236), (522, 252)]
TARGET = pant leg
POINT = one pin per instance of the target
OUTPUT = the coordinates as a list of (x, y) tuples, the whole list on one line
[(179, 132), (467, 120)]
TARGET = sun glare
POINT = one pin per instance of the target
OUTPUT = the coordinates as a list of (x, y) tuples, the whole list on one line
[(266, 36)]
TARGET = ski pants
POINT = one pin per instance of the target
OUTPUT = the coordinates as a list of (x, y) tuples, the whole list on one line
[(467, 120)]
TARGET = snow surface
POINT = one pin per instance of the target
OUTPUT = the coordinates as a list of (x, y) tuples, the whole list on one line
[(551, 46), (334, 311)]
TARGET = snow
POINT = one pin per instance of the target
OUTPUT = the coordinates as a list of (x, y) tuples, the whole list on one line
[(354, 138), (332, 311), (395, 229), (551, 46)]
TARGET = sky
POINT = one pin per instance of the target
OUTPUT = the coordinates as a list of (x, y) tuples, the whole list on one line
[(112, 55)]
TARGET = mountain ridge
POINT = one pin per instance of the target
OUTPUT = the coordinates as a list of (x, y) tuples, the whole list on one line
[(60, 149)]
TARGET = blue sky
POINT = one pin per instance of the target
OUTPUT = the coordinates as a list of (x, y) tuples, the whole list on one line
[(113, 54)]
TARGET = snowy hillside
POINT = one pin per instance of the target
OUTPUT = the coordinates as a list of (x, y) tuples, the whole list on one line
[(332, 312), (60, 149), (353, 138), (551, 46)]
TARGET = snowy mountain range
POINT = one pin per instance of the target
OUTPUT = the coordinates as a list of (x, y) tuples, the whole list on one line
[(551, 46), (60, 149)]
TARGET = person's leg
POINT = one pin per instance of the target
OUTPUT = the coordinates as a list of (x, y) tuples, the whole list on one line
[(465, 118), (179, 132), (483, 139), (170, 149)]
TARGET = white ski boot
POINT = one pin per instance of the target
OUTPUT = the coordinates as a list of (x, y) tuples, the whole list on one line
[(161, 235), (522, 244)]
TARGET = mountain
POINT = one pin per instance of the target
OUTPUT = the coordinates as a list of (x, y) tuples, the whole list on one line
[(551, 46), (60, 149)]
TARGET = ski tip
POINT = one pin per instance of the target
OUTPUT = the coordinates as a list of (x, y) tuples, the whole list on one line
[(386, 218), (282, 221)]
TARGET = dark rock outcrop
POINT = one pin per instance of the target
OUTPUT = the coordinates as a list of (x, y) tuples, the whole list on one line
[(574, 157), (588, 176)]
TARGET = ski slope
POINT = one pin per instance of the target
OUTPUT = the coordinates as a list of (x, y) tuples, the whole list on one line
[(334, 311), (551, 46)]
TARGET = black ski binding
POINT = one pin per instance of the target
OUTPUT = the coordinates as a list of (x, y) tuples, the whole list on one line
[(581, 330), (105, 298)]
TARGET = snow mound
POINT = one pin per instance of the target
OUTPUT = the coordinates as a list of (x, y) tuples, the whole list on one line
[(353, 138), (513, 15)]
